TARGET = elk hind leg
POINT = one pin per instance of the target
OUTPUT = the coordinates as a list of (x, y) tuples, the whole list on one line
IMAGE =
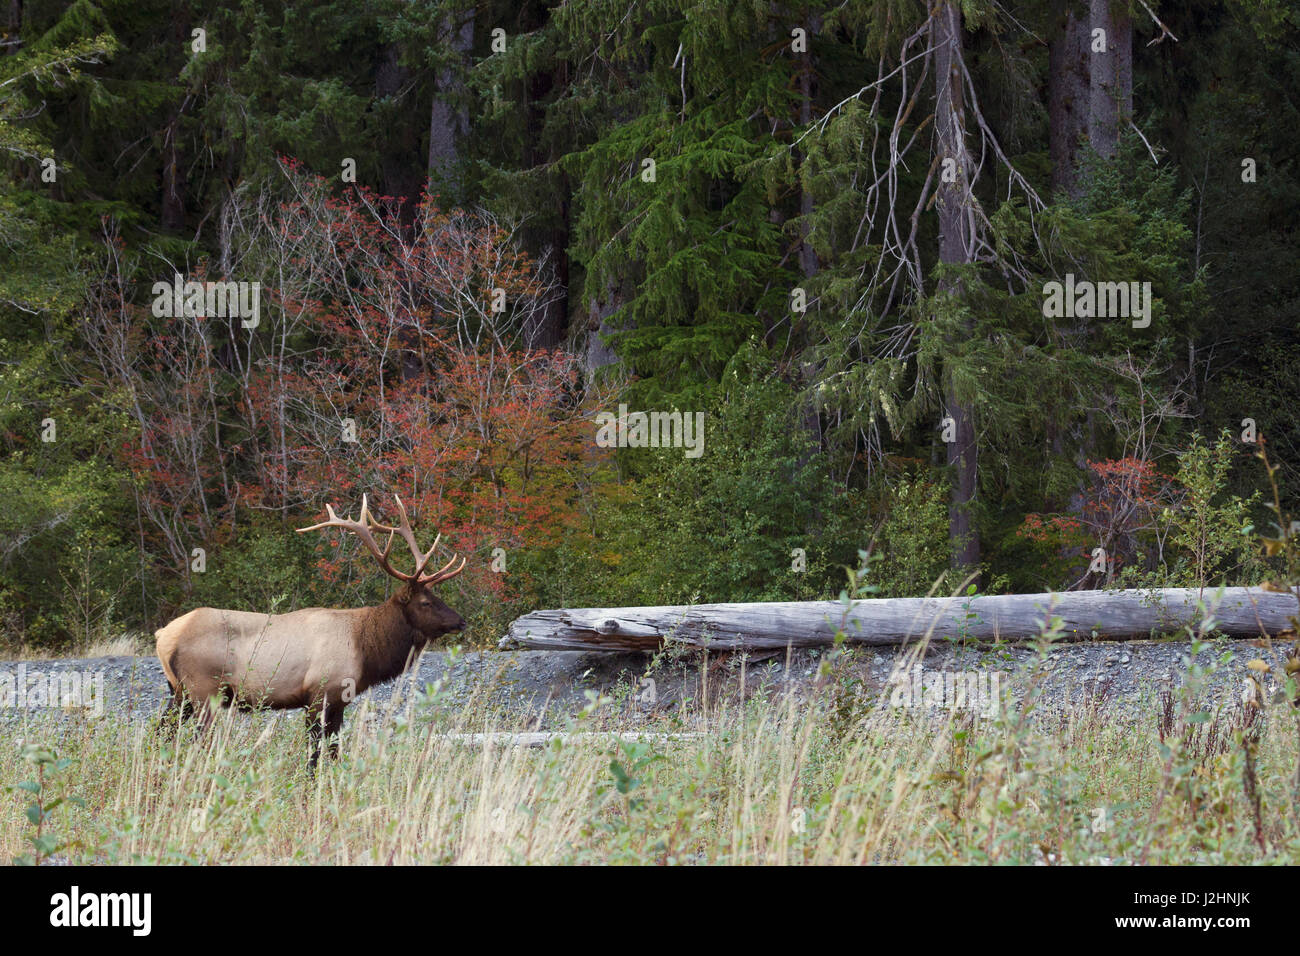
[(315, 727)]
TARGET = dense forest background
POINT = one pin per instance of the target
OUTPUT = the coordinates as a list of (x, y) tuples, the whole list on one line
[(474, 225)]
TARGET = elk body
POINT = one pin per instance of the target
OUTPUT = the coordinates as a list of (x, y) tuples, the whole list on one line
[(316, 658)]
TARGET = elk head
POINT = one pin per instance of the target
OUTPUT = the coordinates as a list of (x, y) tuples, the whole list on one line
[(426, 614)]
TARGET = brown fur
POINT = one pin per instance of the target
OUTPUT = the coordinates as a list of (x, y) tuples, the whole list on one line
[(316, 658)]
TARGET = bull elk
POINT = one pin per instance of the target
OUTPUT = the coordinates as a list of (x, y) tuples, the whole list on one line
[(316, 658)]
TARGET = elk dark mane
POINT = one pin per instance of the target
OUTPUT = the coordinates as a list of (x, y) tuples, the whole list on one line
[(385, 641)]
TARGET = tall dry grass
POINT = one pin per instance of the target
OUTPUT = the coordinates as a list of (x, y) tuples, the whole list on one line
[(826, 778)]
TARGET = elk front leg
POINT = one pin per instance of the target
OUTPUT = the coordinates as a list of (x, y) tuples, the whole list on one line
[(178, 710), (207, 711), (324, 719), (333, 724)]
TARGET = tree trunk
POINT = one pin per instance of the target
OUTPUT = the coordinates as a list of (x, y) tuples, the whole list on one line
[(553, 326), (173, 184), (956, 247), (556, 326), (1068, 98), (448, 121), (13, 39), (1110, 84), (399, 167), (600, 353), (1085, 615), (808, 264), (173, 170)]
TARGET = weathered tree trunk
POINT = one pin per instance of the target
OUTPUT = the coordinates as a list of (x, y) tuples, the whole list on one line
[(956, 247), (1068, 97), (173, 165), (13, 40), (599, 353), (448, 122), (1110, 78), (550, 329), (1086, 615), (173, 184), (399, 164), (808, 264)]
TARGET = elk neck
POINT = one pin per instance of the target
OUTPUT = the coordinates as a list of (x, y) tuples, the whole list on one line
[(384, 641)]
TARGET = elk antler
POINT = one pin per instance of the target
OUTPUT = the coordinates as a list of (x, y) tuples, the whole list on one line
[(404, 529), (363, 528), (443, 574)]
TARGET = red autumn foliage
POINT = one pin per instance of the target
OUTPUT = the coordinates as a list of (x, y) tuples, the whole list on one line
[(387, 359), (1125, 497)]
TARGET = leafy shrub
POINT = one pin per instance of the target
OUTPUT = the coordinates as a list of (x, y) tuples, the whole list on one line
[(726, 526), (913, 540), (1203, 529)]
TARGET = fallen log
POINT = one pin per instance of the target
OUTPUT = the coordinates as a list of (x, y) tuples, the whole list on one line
[(1086, 615)]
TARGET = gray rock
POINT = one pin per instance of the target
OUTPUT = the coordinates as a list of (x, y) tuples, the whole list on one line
[(544, 687)]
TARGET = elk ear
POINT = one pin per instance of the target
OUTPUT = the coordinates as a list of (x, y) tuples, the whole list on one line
[(403, 595)]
